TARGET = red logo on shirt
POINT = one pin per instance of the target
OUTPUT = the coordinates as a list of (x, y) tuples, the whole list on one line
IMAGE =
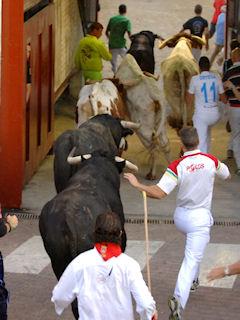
[(195, 167)]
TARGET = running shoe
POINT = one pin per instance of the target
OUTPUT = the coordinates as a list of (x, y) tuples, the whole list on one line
[(195, 285), (175, 308)]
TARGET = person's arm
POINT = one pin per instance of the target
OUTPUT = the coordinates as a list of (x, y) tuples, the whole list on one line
[(8, 225), (222, 171), (65, 291), (145, 304), (107, 33), (221, 272), (222, 95), (206, 35), (103, 51), (151, 191), (229, 85), (189, 99), (129, 29)]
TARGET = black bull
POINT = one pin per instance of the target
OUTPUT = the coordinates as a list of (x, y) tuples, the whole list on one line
[(86, 190), (141, 49), (101, 134), (67, 221)]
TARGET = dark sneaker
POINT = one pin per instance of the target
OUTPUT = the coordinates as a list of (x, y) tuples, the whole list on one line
[(175, 308), (195, 285), (229, 154)]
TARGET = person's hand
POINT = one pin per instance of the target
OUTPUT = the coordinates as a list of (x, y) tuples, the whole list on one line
[(216, 273), (12, 220), (132, 179), (155, 316)]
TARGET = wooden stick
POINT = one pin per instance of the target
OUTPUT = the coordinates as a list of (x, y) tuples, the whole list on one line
[(146, 238)]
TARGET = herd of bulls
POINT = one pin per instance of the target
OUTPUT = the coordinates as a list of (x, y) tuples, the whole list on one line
[(87, 162)]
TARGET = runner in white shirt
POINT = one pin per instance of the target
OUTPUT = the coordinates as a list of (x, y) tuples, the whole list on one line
[(206, 88), (194, 175), (103, 279)]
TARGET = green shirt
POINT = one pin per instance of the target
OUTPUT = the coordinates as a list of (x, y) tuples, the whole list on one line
[(90, 53), (117, 26)]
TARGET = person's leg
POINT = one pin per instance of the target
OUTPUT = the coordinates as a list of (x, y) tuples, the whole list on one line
[(216, 51), (115, 53), (202, 130), (196, 243), (212, 30), (195, 224), (122, 52)]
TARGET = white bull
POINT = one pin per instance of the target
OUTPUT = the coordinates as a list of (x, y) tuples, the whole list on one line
[(144, 106), (177, 70), (99, 98), (140, 103)]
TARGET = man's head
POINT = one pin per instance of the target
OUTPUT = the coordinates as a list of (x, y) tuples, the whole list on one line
[(235, 55), (198, 9), (189, 138), (96, 29), (204, 63), (108, 228), (234, 44), (122, 9)]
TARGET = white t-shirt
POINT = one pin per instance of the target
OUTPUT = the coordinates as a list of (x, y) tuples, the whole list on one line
[(194, 175), (206, 88), (104, 288)]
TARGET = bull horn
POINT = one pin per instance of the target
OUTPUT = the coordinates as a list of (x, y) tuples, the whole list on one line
[(130, 124), (122, 143), (128, 164), (130, 83), (150, 75), (77, 159)]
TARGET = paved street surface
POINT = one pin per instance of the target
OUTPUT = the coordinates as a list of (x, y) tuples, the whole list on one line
[(29, 276), (30, 279)]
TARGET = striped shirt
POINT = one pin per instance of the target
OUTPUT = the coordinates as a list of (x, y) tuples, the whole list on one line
[(194, 175), (233, 75)]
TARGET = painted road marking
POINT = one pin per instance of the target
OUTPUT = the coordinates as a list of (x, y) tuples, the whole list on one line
[(31, 257), (219, 254), (136, 250)]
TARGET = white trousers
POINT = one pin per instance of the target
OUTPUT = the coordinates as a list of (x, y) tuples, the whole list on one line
[(234, 120), (203, 124), (195, 224), (115, 53)]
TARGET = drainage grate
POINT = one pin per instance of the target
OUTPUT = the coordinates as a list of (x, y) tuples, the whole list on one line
[(135, 219)]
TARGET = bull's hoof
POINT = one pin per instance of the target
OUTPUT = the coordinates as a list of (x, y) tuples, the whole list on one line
[(150, 176)]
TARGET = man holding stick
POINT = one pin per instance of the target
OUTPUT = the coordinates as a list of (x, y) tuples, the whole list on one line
[(194, 175)]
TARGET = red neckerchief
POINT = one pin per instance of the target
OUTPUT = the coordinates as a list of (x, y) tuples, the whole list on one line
[(108, 250)]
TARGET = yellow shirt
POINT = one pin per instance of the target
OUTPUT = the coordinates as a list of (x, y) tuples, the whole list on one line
[(90, 53)]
